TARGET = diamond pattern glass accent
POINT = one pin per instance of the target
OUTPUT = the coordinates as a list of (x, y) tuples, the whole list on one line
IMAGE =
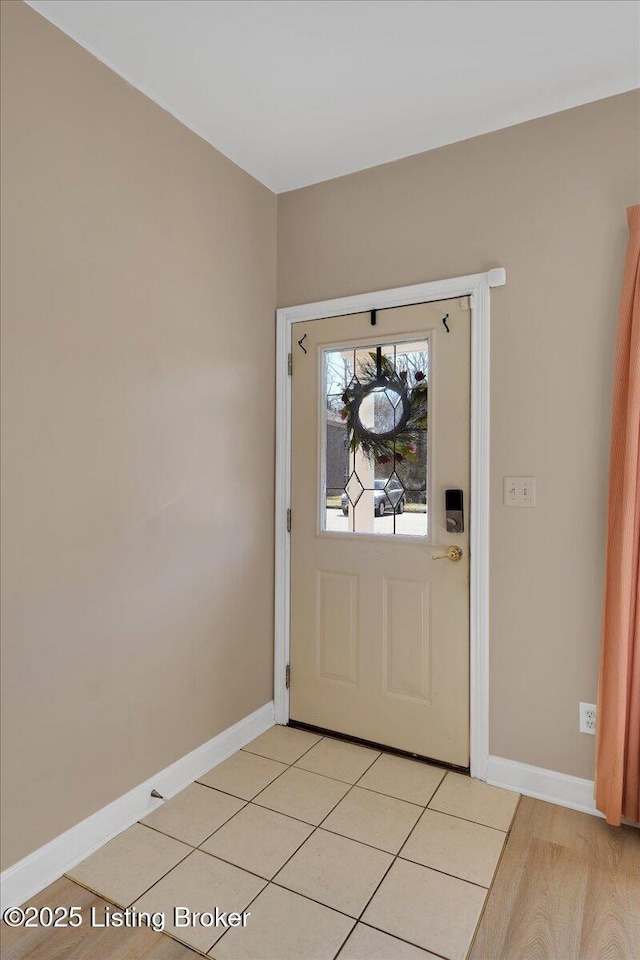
[(354, 489), (394, 490)]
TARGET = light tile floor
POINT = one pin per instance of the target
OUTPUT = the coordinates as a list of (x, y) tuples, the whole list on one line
[(336, 850)]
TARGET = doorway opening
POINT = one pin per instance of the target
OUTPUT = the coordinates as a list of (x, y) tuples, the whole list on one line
[(402, 593)]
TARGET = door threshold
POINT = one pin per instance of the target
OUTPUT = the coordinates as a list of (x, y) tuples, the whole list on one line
[(377, 746)]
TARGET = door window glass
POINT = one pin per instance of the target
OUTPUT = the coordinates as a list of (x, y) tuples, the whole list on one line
[(376, 439)]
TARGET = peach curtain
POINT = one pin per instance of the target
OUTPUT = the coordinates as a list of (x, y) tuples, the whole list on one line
[(618, 740)]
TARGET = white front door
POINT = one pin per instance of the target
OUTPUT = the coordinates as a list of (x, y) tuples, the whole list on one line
[(380, 432)]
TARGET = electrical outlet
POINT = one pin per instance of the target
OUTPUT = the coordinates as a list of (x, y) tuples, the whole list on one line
[(519, 491), (587, 718)]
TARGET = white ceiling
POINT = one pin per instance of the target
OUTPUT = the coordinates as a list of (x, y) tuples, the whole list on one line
[(299, 91)]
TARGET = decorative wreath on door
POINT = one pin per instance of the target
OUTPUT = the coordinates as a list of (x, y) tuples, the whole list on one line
[(408, 411)]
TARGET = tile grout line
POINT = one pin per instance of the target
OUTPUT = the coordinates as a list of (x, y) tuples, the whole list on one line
[(395, 857), (478, 823), (196, 950), (235, 797), (303, 754), (164, 834), (245, 805), (467, 819), (283, 865), (315, 828), (193, 849), (314, 825), (336, 956), (366, 770), (246, 802), (454, 876), (411, 943), (129, 905), (253, 800), (454, 816), (358, 919), (242, 750), (370, 846), (351, 785), (252, 901), (110, 902)]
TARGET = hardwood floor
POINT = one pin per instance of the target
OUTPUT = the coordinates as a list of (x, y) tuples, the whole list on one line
[(85, 942), (567, 888)]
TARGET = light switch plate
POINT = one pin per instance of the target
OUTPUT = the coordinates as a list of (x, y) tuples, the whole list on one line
[(519, 491)]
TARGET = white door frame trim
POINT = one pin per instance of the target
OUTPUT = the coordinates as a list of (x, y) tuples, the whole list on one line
[(476, 286)]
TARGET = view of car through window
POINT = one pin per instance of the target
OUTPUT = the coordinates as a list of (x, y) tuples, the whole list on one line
[(387, 496)]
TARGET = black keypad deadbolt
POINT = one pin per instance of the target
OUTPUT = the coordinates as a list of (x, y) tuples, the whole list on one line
[(454, 511)]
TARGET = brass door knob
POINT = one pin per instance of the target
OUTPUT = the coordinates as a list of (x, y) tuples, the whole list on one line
[(453, 553)]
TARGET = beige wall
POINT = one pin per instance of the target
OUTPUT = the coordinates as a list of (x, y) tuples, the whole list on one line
[(547, 201), (138, 370)]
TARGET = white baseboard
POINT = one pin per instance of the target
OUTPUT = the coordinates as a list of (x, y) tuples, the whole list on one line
[(24, 879), (549, 785)]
